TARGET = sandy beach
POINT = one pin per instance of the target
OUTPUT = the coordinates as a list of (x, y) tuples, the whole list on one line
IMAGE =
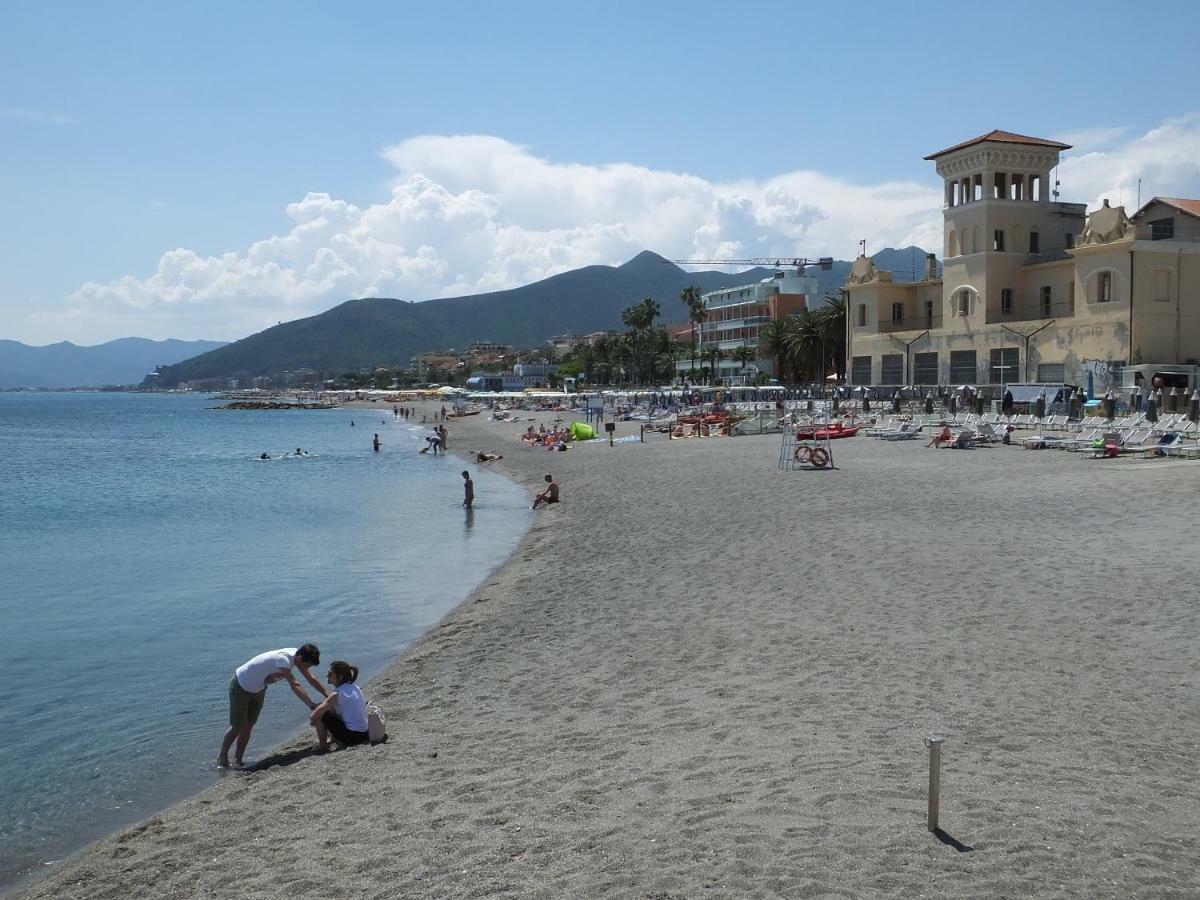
[(701, 676)]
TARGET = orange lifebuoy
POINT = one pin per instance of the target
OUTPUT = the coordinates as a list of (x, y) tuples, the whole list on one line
[(803, 453), (819, 457)]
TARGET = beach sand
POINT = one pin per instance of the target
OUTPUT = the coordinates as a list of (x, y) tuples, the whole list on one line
[(701, 676)]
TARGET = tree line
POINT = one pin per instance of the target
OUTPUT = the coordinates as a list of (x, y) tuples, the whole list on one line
[(804, 347)]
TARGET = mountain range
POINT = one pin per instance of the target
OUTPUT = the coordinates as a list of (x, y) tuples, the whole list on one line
[(374, 331), (64, 365)]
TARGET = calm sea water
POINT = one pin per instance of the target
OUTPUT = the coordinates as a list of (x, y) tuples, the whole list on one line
[(145, 551)]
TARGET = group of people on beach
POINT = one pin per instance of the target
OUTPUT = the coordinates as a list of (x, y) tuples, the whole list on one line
[(340, 717), (551, 439), (438, 441), (403, 412)]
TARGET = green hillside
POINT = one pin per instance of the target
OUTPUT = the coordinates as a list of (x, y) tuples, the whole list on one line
[(383, 332)]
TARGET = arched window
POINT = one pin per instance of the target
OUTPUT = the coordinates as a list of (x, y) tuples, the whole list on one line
[(1103, 289), (962, 303)]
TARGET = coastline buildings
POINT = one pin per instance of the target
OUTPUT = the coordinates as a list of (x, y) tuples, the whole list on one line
[(1033, 290), (735, 317)]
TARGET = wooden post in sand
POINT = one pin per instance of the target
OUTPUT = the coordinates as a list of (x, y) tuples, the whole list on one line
[(934, 743)]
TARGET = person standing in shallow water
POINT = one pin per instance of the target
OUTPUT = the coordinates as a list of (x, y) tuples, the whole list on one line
[(248, 692), (468, 489), (375, 443)]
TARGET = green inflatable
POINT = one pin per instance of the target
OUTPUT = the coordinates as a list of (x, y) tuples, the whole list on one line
[(582, 432)]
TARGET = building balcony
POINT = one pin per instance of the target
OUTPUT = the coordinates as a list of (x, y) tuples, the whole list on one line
[(1033, 312), (923, 323)]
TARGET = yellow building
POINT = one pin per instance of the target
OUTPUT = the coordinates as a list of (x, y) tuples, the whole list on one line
[(1032, 289)]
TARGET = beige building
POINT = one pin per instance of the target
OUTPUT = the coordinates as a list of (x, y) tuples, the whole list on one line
[(1032, 290)]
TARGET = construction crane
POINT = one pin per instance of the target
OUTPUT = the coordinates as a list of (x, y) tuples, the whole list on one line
[(770, 262)]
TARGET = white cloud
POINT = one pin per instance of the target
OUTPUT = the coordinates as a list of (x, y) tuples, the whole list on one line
[(1166, 158), (39, 116), (477, 213)]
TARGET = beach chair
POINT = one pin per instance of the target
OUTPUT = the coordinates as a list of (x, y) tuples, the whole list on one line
[(1166, 443), (1083, 441), (1024, 420), (905, 432), (985, 433), (1185, 449)]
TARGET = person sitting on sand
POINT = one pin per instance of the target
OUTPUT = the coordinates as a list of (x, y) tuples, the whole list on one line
[(248, 691), (483, 457), (343, 714), (943, 437), (549, 495)]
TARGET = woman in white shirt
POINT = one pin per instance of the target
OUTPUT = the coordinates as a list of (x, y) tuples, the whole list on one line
[(343, 714)]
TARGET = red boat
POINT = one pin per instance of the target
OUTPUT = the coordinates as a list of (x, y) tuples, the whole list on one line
[(832, 432)]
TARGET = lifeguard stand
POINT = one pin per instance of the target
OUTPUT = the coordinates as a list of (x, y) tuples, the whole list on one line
[(806, 446)]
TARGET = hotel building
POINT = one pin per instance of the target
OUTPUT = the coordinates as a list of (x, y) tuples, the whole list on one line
[(1032, 289), (735, 317)]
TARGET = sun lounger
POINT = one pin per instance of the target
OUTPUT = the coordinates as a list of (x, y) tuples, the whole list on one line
[(905, 432), (1165, 444)]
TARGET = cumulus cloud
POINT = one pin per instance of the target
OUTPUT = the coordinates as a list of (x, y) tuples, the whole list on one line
[(474, 213), (1166, 159)]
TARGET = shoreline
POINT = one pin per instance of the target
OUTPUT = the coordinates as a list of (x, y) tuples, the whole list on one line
[(282, 746), (698, 674)]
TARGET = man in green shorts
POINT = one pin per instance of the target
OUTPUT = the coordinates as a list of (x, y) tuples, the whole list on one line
[(248, 690)]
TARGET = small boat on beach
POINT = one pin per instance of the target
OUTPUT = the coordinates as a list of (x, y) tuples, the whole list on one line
[(831, 432)]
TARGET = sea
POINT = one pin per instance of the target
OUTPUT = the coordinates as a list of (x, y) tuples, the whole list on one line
[(146, 550)]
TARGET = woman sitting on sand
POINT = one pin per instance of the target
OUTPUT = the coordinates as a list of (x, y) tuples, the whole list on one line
[(945, 437), (343, 714)]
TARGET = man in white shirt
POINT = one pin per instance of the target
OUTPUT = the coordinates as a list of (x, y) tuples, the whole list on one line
[(248, 690)]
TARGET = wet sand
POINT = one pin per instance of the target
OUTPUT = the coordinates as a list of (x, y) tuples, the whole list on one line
[(701, 676)]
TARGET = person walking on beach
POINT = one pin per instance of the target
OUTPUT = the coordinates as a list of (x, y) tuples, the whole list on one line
[(248, 691), (549, 495), (342, 715), (468, 489)]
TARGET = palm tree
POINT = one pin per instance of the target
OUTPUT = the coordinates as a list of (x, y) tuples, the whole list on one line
[(833, 329), (713, 354), (773, 342), (744, 355), (803, 343), (697, 313)]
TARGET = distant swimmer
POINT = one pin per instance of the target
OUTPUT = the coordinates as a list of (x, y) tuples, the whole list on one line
[(265, 455), (351, 423), (300, 452), (375, 443)]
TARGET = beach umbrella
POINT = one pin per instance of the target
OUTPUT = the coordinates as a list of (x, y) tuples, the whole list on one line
[(929, 404), (1090, 385), (1135, 399), (1077, 404), (1174, 400), (1110, 406), (866, 405), (952, 404), (896, 402), (1006, 404), (1194, 412), (1152, 410), (1040, 408)]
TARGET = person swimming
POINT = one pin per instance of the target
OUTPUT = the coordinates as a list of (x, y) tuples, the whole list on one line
[(265, 455)]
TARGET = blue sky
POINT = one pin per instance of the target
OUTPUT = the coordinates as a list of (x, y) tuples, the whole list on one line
[(299, 154)]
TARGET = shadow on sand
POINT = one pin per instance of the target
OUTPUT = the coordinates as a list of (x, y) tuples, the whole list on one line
[(951, 841)]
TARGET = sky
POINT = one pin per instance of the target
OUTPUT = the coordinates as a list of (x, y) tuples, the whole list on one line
[(208, 170)]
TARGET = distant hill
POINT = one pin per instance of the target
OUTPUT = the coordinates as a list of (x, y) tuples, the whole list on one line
[(385, 332), (121, 362)]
